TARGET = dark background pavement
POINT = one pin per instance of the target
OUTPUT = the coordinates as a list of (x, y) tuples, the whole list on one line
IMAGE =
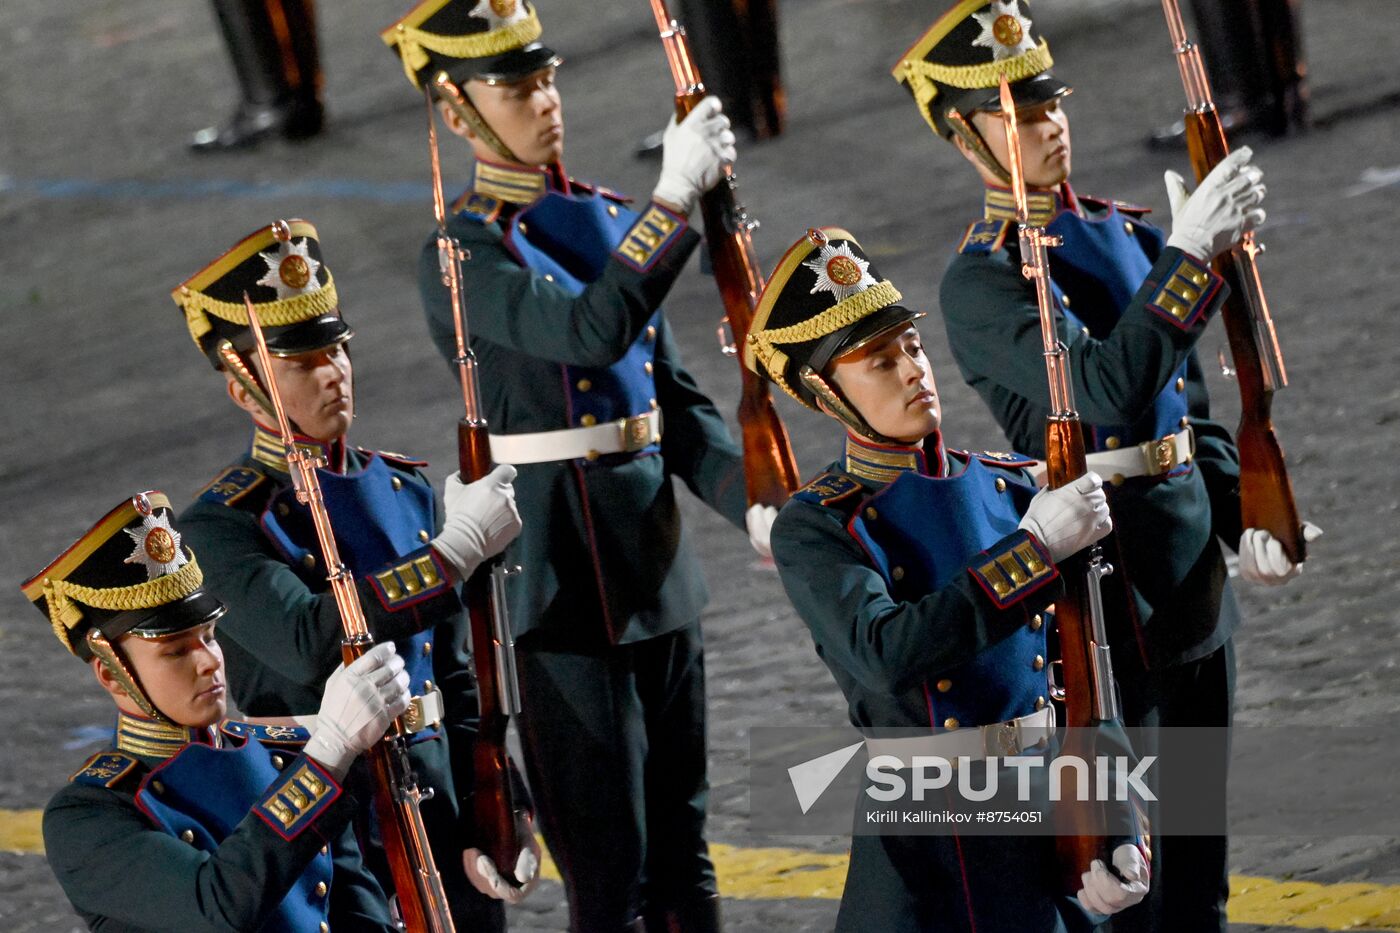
[(103, 211)]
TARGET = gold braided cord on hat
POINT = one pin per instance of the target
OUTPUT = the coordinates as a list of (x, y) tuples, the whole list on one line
[(65, 597), (415, 44), (921, 75), (842, 314), (198, 306)]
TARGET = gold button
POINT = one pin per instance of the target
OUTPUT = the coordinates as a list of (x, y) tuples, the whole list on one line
[(897, 573), (283, 510), (655, 405), (656, 438), (612, 210), (308, 561), (1000, 484), (588, 421), (651, 333), (1001, 587), (584, 385), (1039, 704), (1064, 300), (424, 536), (521, 227), (1127, 228), (187, 836), (427, 648), (592, 455), (1113, 442), (396, 483), (945, 685), (1017, 577), (1180, 384), (1084, 331), (158, 787), (549, 276), (1036, 622), (871, 514), (647, 366), (1185, 420), (950, 723), (278, 762), (1117, 479), (1038, 664), (325, 850), (321, 889), (1036, 566), (427, 686), (325, 927)]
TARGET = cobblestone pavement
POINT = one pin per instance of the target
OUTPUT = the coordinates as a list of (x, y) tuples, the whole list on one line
[(103, 212)]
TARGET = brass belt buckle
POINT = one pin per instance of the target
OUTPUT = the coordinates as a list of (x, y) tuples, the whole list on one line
[(1004, 738), (423, 712), (636, 433), (1161, 455)]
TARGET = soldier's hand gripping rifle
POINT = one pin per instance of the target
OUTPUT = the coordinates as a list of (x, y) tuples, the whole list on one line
[(498, 818), (1266, 492), (770, 470), (1086, 667), (422, 900)]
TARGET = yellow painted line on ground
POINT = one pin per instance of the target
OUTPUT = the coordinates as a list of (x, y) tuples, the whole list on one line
[(773, 873)]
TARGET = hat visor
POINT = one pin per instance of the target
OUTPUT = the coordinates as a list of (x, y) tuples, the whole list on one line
[(509, 66), (861, 333), (198, 608), (328, 330), (1031, 92)]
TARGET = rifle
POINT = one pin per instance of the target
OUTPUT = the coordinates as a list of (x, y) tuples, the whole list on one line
[(1086, 666), (397, 796), (496, 815), (770, 469), (1266, 492)]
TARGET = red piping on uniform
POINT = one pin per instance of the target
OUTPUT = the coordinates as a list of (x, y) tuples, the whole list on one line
[(593, 553)]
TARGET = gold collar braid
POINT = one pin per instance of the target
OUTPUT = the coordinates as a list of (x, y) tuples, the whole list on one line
[(414, 44), (921, 75), (198, 306), (64, 598), (842, 314)]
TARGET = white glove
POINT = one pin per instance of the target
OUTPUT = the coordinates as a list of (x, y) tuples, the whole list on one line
[(359, 703), (481, 519), (1103, 893), (1226, 204), (486, 879), (1069, 519), (1262, 559), (759, 521), (694, 153)]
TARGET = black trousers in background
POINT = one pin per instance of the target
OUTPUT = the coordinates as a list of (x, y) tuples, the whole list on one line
[(614, 742)]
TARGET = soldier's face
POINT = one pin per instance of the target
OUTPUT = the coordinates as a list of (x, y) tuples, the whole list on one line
[(317, 392), (182, 674), (1045, 147), (526, 114), (890, 382)]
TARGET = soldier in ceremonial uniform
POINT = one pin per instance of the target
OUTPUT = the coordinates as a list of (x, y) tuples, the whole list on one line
[(189, 821), (405, 550), (584, 391), (924, 575), (1133, 303)]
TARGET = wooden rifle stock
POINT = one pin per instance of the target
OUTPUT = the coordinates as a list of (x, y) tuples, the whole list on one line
[(770, 469), (1086, 672), (497, 817), (421, 897), (1266, 492)]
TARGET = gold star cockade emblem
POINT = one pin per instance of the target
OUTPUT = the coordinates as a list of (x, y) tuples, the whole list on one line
[(499, 13), (290, 269), (1004, 30), (839, 271), (157, 547)]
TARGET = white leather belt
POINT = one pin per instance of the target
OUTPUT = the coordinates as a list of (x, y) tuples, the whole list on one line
[(625, 435), (1150, 458), (974, 743), (424, 712)]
